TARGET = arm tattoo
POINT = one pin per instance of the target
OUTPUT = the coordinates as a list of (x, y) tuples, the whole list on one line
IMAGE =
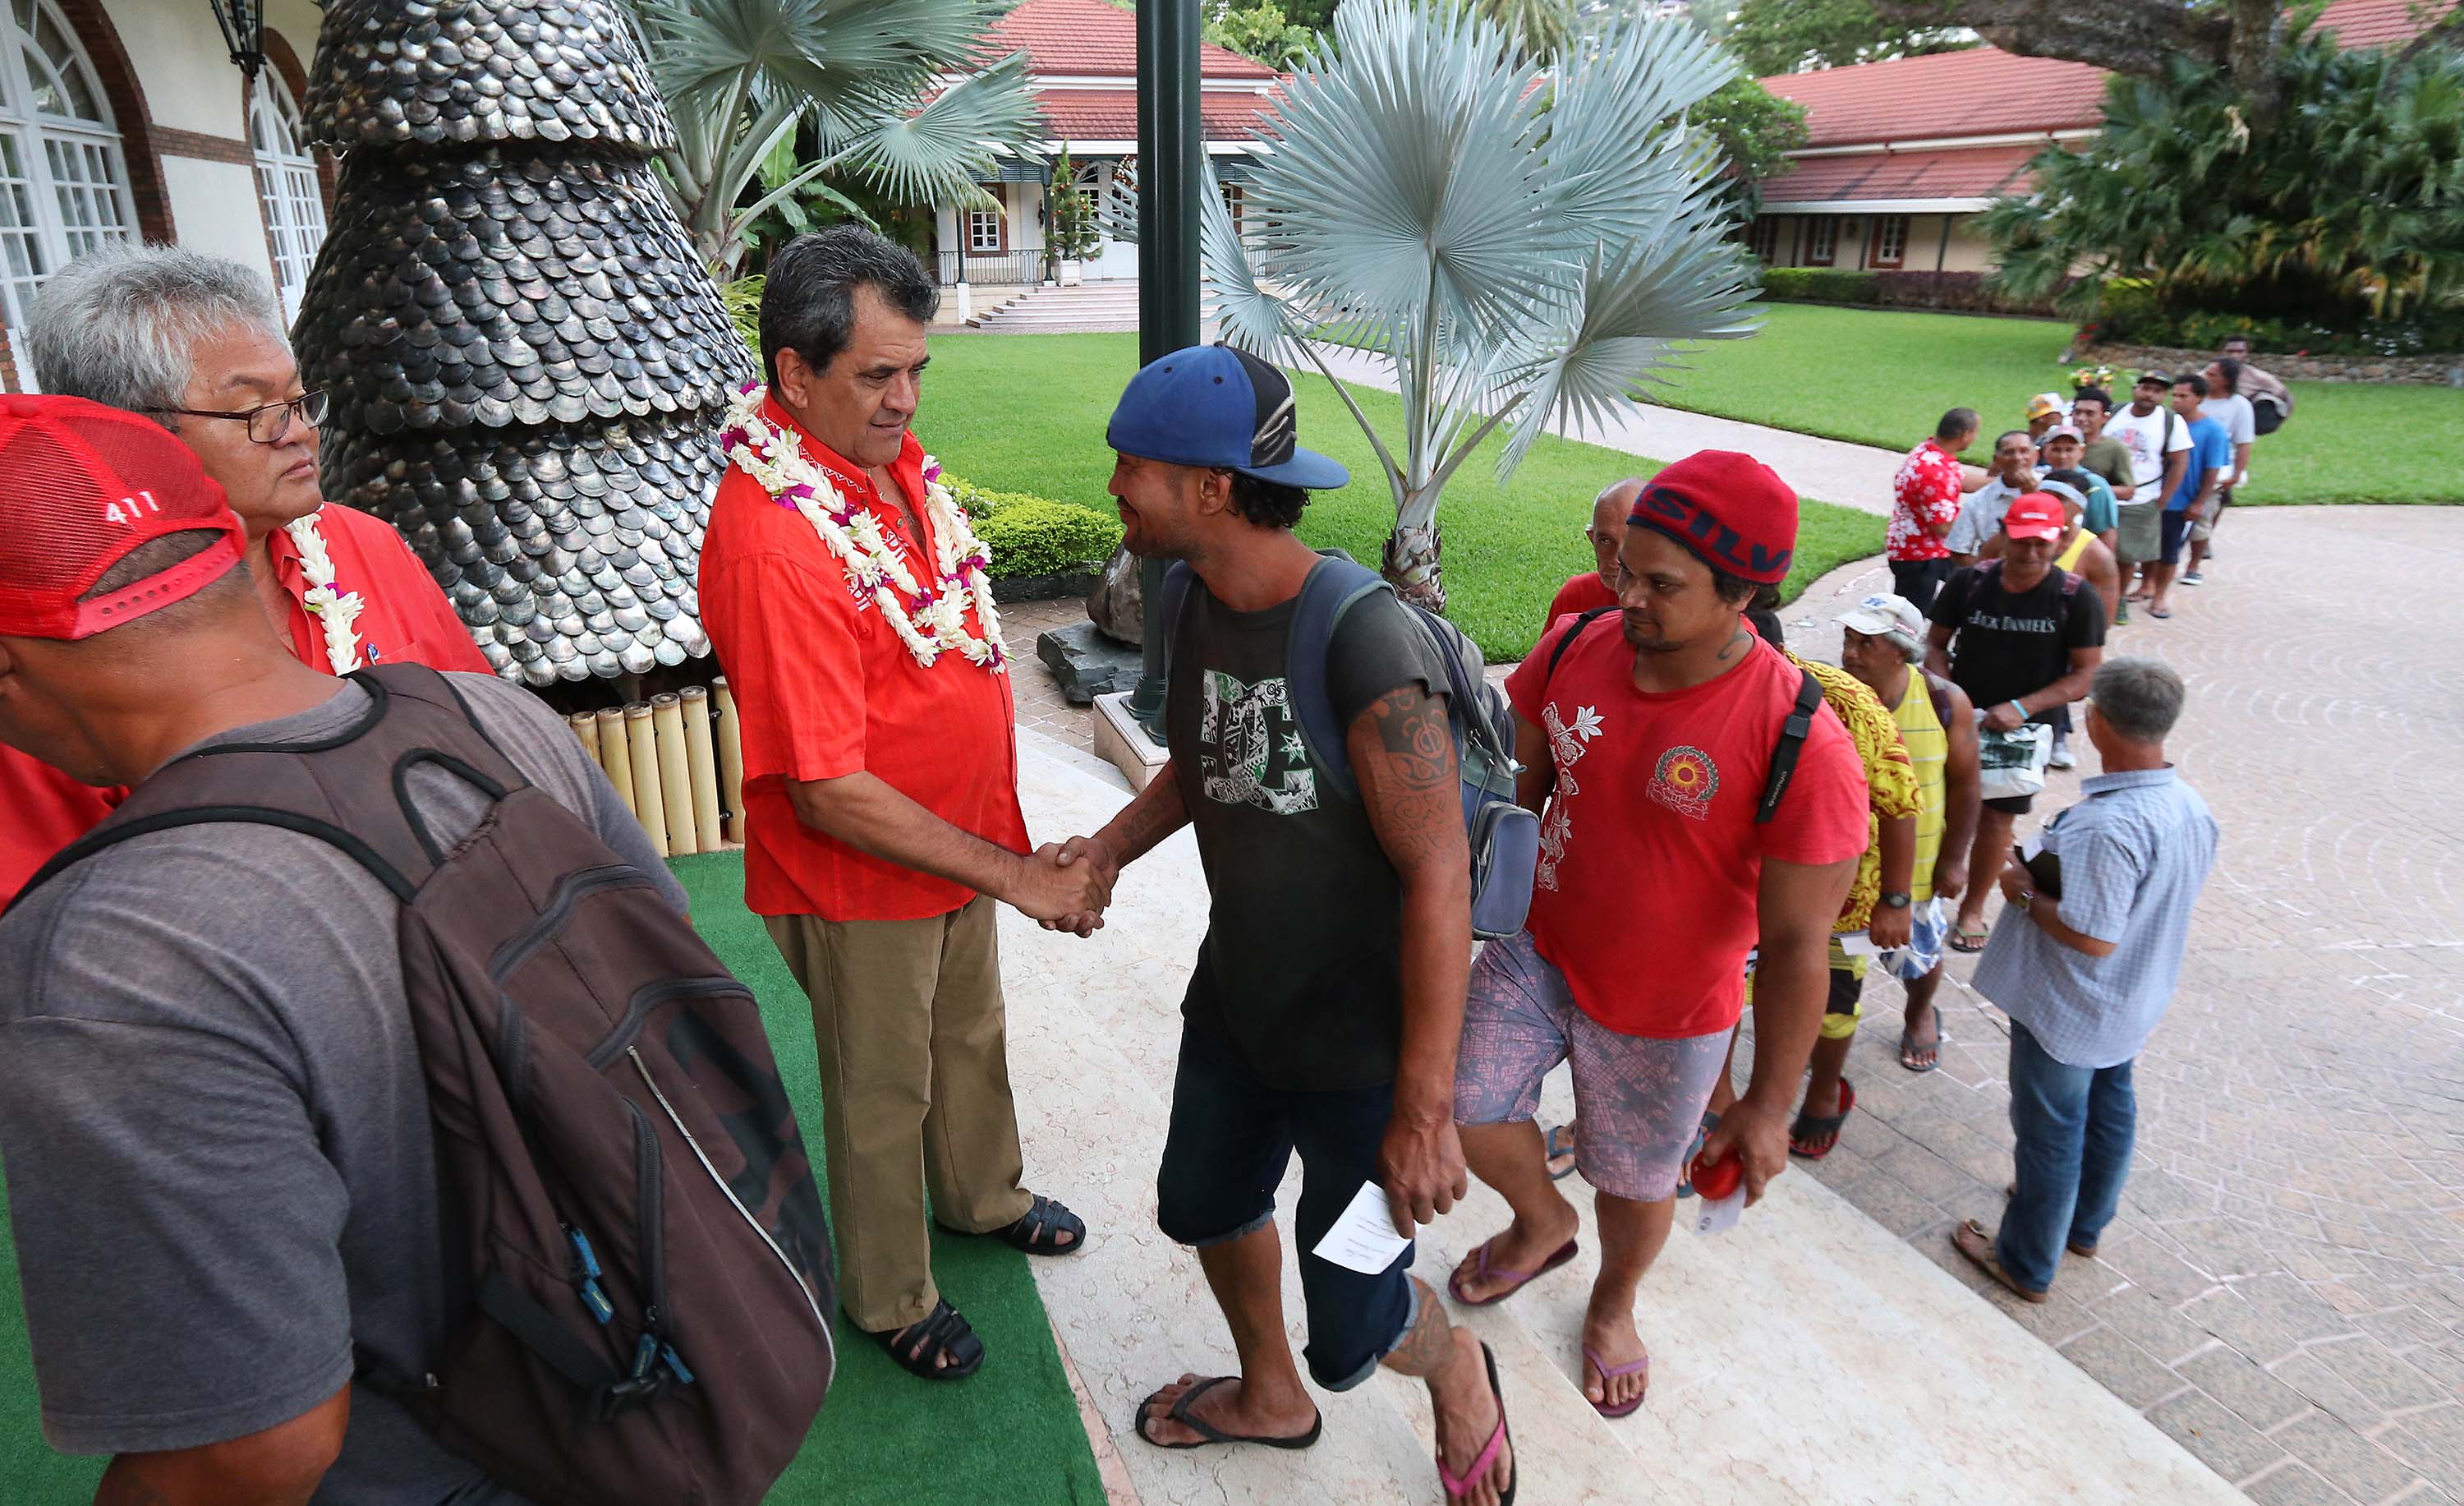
[(1404, 755), (1411, 727)]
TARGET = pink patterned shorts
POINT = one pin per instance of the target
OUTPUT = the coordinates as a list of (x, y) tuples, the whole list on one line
[(1639, 1100)]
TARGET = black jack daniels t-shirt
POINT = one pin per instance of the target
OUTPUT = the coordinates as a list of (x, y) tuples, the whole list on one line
[(1299, 973)]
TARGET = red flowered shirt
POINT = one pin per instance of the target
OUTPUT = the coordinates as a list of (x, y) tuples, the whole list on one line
[(1924, 492)]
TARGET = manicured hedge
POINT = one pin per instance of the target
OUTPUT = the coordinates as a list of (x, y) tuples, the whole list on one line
[(1958, 292), (1031, 535)]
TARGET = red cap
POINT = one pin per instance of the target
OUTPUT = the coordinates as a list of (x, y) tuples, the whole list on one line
[(81, 485), (2035, 515), (1730, 510)]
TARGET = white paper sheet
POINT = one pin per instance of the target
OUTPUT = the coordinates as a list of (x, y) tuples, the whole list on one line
[(1856, 943), (2034, 845), (1364, 1238)]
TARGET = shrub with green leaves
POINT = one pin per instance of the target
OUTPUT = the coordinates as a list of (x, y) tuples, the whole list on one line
[(1819, 285), (1036, 536)]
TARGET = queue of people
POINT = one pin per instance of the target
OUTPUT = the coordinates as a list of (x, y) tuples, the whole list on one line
[(242, 1092)]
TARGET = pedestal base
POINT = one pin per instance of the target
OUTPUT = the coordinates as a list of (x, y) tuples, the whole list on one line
[(1120, 741)]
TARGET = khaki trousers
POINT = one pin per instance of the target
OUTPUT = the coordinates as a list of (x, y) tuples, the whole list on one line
[(915, 1094)]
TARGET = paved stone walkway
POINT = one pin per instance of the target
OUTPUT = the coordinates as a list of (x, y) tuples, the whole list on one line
[(2284, 1290)]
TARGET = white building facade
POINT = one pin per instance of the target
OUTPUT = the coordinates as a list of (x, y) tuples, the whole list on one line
[(122, 119)]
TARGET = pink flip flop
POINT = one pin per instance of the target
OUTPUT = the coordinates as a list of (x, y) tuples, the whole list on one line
[(1458, 1486), (1609, 1372), (1520, 1278)]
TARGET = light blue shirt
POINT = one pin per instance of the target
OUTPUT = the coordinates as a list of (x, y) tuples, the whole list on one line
[(1979, 516), (2134, 854)]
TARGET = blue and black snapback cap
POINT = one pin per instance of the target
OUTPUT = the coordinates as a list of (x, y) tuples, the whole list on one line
[(1223, 408)]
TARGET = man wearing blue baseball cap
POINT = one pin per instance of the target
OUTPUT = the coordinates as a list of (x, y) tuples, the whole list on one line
[(1326, 1001)]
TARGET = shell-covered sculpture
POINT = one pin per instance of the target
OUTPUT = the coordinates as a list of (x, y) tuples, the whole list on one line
[(526, 359)]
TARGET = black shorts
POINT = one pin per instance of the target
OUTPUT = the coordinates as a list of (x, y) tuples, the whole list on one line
[(2011, 804), (2177, 528), (1231, 1139)]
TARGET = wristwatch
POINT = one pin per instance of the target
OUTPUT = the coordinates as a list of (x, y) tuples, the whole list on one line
[(1896, 899)]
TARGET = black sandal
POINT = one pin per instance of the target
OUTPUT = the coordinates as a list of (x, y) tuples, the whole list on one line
[(1039, 1232), (918, 1347)]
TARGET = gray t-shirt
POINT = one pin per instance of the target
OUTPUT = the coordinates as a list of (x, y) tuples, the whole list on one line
[(1300, 972), (220, 1169)]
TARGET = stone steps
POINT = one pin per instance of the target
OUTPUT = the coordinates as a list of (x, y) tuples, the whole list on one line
[(1057, 310), (1807, 1356)]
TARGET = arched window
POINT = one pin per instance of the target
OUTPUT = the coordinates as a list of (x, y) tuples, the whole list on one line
[(63, 181), (286, 185)]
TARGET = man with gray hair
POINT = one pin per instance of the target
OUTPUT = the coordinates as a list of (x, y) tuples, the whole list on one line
[(2085, 962), (1599, 588), (196, 344)]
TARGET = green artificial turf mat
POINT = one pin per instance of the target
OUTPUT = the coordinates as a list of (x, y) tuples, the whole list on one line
[(1010, 1434)]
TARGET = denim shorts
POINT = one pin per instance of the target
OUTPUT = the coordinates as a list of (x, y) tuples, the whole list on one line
[(1231, 1139)]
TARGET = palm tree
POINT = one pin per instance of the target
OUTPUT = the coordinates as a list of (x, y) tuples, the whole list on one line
[(740, 76), (1524, 257)]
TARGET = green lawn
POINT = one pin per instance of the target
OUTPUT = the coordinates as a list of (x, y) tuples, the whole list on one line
[(1010, 1433), (1885, 377), (1026, 413)]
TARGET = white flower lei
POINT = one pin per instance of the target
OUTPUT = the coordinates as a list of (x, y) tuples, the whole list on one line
[(932, 624), (335, 610)]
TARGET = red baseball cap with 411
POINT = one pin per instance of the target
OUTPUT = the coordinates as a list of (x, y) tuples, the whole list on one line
[(81, 487)]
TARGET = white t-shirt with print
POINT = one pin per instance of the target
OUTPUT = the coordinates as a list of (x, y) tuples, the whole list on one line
[(2141, 437)]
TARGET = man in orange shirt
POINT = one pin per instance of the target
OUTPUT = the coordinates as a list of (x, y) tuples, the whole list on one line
[(197, 344), (847, 599)]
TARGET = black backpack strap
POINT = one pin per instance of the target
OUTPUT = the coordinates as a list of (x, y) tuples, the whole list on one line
[(1568, 641), (1792, 743), (113, 833), (1171, 609)]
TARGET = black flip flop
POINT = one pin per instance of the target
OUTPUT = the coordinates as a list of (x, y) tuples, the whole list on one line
[(1208, 1434), (1044, 1221), (943, 1330), (1809, 1125)]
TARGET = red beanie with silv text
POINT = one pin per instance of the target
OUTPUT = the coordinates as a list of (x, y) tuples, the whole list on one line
[(1729, 509)]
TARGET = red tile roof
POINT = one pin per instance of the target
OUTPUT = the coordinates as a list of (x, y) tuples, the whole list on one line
[(2375, 23), (1112, 115), (1974, 172), (1981, 91), (1088, 37), (1984, 91)]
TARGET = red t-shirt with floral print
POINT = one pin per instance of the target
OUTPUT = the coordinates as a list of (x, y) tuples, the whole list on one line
[(1924, 492)]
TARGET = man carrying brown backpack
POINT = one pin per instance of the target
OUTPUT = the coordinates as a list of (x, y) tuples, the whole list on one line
[(256, 1265)]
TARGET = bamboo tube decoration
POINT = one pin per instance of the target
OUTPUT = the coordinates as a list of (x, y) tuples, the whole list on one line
[(701, 763), (675, 779), (614, 756), (586, 727), (650, 803), (731, 756)]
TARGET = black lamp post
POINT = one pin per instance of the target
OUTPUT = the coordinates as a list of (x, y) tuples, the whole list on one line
[(242, 24), (1171, 148)]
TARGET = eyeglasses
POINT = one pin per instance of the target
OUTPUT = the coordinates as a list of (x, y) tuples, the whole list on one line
[(266, 421)]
